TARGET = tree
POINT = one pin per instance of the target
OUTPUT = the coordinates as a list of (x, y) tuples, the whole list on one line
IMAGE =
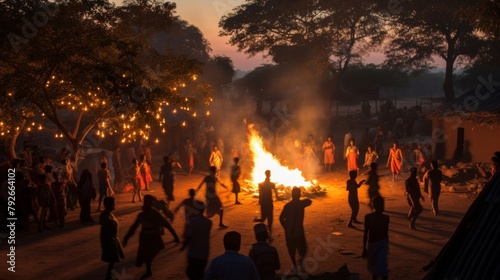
[(219, 72), (424, 28), (333, 33), (97, 71)]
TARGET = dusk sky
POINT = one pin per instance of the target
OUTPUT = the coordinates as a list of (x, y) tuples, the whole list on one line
[(205, 14)]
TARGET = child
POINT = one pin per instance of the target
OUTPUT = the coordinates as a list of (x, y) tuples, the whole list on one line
[(352, 188)]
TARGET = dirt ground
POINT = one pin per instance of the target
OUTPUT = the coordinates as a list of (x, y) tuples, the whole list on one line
[(74, 252)]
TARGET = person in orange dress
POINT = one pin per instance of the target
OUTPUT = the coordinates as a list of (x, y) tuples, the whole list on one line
[(352, 154), (395, 159), (328, 151), (145, 171), (134, 172)]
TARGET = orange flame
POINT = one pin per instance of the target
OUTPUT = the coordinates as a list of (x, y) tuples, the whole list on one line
[(264, 160)]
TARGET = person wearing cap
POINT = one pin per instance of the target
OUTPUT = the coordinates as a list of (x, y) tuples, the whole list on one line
[(264, 256), (231, 264), (197, 238), (413, 195)]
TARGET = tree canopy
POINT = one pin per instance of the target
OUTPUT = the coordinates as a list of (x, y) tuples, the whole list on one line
[(91, 65)]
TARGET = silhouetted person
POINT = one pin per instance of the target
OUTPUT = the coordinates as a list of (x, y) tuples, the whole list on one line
[(104, 178), (192, 207), (117, 168), (266, 189), (45, 198), (292, 220), (110, 244), (372, 182), (86, 192), (413, 195), (197, 238), (264, 256), (352, 188), (214, 205), (376, 240), (167, 178), (235, 175), (231, 264), (150, 242), (60, 190), (432, 179)]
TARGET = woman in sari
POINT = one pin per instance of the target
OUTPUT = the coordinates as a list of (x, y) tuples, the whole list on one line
[(395, 159), (352, 154)]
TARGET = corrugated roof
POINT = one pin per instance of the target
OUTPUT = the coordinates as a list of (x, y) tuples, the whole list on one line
[(473, 250), (481, 107)]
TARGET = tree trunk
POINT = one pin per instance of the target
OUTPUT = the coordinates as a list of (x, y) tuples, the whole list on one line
[(12, 143), (449, 92)]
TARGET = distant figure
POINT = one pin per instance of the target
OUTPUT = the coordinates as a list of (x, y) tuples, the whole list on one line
[(352, 154), (432, 179), (145, 171), (134, 173), (379, 141), (215, 160), (86, 193), (235, 175), (130, 153), (266, 189), (110, 244), (376, 240), (197, 238), (372, 182), (214, 205), (150, 242), (60, 190), (352, 188), (395, 159), (45, 198), (370, 156), (413, 196), (191, 152), (231, 264), (117, 168), (264, 256), (167, 178), (104, 178), (328, 154), (148, 154), (292, 220), (347, 138)]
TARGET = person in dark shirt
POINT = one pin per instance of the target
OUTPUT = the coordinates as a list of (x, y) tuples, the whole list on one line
[(266, 189), (150, 241), (413, 195), (264, 256), (352, 188), (372, 182), (192, 208), (235, 175), (432, 179), (111, 248), (292, 220), (167, 178), (376, 240), (197, 238)]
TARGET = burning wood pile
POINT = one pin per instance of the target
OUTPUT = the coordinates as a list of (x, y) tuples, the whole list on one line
[(284, 177)]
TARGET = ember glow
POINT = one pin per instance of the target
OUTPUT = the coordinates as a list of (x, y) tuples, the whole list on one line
[(264, 160)]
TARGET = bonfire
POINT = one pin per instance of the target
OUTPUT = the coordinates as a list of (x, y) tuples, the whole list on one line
[(284, 177)]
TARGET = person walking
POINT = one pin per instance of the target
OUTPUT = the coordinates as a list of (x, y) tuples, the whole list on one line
[(352, 188), (372, 182), (432, 180), (376, 240), (111, 247), (266, 189), (214, 205), (134, 173), (216, 160), (197, 239), (352, 154), (167, 178), (395, 160), (104, 178), (292, 220), (413, 196), (150, 242), (231, 264), (264, 256)]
